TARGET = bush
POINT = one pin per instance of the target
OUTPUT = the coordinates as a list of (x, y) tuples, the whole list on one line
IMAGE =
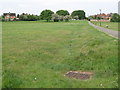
[(67, 18), (61, 18), (23, 17), (55, 17), (26, 17), (76, 17)]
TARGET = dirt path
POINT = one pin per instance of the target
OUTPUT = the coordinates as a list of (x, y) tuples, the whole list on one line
[(112, 33)]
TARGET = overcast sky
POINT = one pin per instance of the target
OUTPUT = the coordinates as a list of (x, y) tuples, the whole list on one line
[(36, 6)]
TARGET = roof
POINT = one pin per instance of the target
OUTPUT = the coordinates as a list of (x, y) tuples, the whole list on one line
[(11, 14)]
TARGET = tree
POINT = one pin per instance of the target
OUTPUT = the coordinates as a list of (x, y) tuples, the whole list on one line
[(91, 17), (18, 15), (62, 12), (55, 17), (79, 13), (46, 15), (98, 18), (2, 18), (67, 18), (115, 18)]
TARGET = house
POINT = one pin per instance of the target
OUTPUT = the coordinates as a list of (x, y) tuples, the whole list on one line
[(106, 16), (103, 16), (9, 16)]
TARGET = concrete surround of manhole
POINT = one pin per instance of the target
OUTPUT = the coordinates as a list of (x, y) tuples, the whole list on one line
[(79, 75)]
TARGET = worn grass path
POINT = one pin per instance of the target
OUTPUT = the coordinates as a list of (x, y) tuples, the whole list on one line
[(111, 25), (105, 30), (37, 55)]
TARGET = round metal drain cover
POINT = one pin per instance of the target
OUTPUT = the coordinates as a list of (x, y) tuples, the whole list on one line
[(79, 75)]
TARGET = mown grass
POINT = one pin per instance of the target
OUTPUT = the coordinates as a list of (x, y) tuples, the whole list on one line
[(38, 54), (111, 25)]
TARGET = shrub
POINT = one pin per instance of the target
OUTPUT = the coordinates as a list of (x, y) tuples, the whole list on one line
[(55, 17), (67, 18), (76, 17), (61, 18)]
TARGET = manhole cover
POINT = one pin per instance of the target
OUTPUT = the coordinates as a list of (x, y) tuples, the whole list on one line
[(79, 75)]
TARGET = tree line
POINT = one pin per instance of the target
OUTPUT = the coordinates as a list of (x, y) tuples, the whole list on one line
[(48, 15), (62, 15)]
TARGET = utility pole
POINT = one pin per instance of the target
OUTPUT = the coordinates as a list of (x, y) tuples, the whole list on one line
[(100, 17)]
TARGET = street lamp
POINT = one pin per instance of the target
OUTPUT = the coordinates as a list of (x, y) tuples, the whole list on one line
[(100, 17)]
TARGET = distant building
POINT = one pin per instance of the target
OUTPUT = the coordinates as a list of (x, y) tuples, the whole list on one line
[(9, 16), (103, 16)]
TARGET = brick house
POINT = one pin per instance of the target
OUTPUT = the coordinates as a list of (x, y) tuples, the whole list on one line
[(9, 16), (103, 16)]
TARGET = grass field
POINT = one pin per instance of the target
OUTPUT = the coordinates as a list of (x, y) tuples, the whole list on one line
[(111, 25), (38, 54)]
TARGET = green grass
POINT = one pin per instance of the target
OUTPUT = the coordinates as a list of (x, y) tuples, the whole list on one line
[(111, 25), (47, 50)]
